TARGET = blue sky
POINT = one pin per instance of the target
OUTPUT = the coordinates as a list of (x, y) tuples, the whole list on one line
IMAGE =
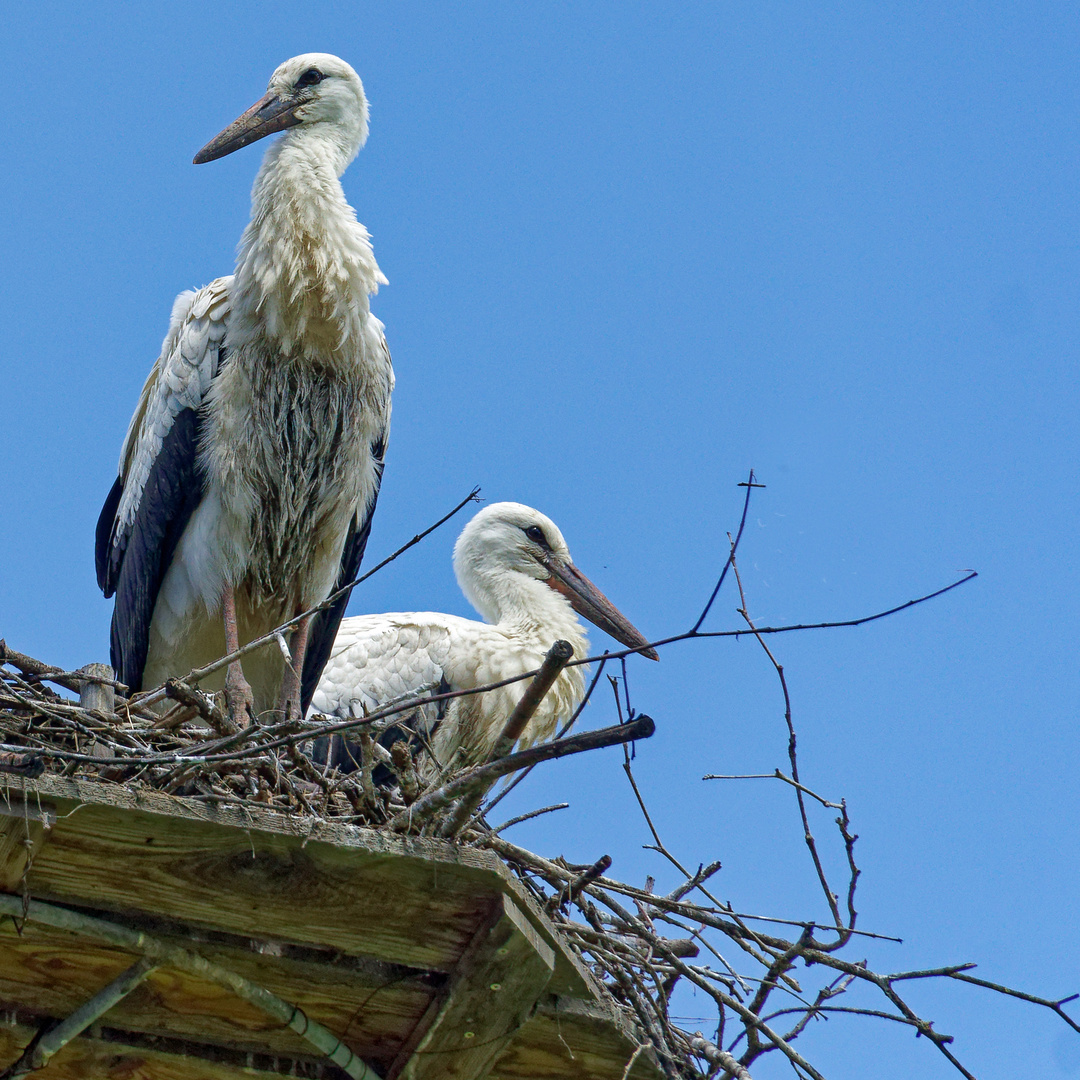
[(634, 251)]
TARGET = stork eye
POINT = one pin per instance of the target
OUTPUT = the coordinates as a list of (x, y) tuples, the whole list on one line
[(536, 535), (311, 77)]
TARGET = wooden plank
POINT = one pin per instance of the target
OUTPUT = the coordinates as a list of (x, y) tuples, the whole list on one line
[(567, 1038), (24, 825), (293, 905), (492, 992), (109, 1057), (406, 900), (51, 971)]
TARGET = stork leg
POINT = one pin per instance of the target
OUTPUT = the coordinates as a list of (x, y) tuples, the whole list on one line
[(238, 695), (289, 702)]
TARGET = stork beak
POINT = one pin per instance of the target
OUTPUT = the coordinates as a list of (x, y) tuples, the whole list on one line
[(587, 600), (267, 115)]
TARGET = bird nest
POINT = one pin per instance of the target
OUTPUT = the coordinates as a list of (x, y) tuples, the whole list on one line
[(641, 945)]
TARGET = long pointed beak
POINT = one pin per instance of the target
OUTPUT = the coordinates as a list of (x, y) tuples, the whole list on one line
[(587, 600), (269, 114)]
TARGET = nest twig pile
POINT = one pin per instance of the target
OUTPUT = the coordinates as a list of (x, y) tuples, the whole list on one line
[(642, 945)]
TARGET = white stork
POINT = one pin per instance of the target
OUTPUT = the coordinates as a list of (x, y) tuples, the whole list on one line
[(514, 567), (251, 467)]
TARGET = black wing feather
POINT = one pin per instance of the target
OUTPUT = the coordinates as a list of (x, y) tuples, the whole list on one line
[(173, 490), (324, 626), (103, 540)]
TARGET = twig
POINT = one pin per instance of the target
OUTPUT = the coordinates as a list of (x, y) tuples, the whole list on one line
[(527, 817), (428, 805)]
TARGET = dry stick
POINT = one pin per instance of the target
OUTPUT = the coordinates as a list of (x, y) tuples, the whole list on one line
[(749, 485), (834, 624), (164, 955), (956, 972), (70, 680), (749, 1018), (557, 876), (715, 1056), (711, 917), (526, 817), (562, 731), (808, 836), (554, 662), (776, 774), (572, 890), (47, 1043), (839, 985), (201, 673), (218, 720), (404, 768), (426, 807), (662, 850)]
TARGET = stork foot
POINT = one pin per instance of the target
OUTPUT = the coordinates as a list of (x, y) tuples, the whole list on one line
[(289, 701), (238, 697)]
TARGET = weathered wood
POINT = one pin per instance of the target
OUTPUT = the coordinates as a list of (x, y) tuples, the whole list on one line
[(94, 694), (51, 971), (407, 900), (320, 914), (138, 942), (110, 1056), (567, 1039), (24, 825), (57, 1036), (492, 992)]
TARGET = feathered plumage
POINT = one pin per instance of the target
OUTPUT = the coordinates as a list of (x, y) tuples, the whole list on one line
[(252, 464)]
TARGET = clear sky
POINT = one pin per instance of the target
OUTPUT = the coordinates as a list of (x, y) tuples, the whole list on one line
[(634, 250)]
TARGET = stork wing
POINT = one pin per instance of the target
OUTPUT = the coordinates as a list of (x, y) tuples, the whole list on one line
[(381, 658), (159, 483), (324, 626), (378, 660)]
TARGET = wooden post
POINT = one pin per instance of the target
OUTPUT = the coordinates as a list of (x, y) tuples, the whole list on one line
[(94, 694), (493, 991)]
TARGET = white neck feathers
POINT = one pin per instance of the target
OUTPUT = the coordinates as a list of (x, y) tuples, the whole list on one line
[(305, 267)]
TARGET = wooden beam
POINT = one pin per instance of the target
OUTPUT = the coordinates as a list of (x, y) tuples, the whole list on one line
[(570, 1038), (49, 971), (323, 1040), (112, 1055), (492, 992), (24, 825), (54, 1038), (142, 852)]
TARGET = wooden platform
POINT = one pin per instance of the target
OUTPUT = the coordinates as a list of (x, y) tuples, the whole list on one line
[(427, 960)]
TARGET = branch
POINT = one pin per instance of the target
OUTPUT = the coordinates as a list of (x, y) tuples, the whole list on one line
[(432, 803)]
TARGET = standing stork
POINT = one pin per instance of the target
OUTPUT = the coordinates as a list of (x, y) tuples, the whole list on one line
[(251, 467), (514, 567)]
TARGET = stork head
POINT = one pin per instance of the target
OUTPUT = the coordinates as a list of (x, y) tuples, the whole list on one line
[(317, 92), (512, 560)]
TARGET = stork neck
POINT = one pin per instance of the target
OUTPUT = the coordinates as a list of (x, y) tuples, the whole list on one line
[(305, 267), (542, 613)]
